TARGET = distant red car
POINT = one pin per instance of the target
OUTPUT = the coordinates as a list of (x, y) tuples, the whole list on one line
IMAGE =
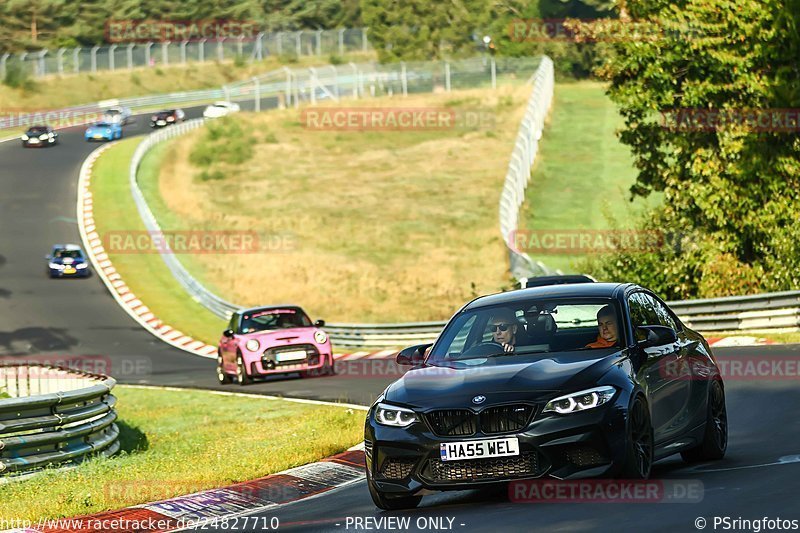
[(263, 341)]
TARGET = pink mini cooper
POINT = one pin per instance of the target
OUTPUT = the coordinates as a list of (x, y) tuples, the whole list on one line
[(273, 340)]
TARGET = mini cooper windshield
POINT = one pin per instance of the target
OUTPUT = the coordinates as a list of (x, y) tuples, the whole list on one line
[(527, 328), (267, 319)]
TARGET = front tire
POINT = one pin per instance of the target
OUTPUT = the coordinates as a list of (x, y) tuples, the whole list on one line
[(241, 371), (390, 503), (715, 438), (638, 442)]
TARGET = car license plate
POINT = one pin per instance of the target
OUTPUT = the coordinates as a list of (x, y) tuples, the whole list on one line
[(98, 136), (34, 141), (161, 123), (479, 449), (290, 356), (69, 271)]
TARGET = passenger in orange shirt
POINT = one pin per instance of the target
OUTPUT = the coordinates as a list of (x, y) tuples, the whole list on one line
[(607, 328)]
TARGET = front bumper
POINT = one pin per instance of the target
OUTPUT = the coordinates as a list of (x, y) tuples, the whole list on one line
[(578, 445), (74, 273), (267, 363)]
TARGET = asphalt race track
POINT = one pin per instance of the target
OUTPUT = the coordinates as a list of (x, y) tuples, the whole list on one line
[(39, 316)]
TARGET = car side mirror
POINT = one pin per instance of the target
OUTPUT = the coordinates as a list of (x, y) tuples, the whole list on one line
[(413, 355), (319, 323), (228, 333), (657, 336)]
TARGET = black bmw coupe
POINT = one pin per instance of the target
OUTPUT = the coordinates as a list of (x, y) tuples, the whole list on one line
[(563, 381)]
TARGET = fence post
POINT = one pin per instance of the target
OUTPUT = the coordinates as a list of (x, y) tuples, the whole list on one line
[(111, 58), (165, 52), (288, 97), (318, 37), (3, 61), (22, 57), (447, 76), (257, 91), (60, 60), (404, 78), (129, 53), (147, 48), (201, 51), (279, 42), (76, 60), (220, 51), (363, 39), (183, 52), (258, 52), (355, 79), (341, 42), (240, 46), (298, 47), (42, 64), (313, 84), (494, 74), (94, 58)]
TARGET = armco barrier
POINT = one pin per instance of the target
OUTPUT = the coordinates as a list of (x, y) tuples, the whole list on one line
[(54, 415)]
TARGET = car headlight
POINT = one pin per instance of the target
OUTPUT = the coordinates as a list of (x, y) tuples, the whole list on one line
[(580, 401), (43, 137), (56, 266), (320, 336), (170, 119), (25, 137), (252, 345), (390, 415), (108, 132), (81, 265)]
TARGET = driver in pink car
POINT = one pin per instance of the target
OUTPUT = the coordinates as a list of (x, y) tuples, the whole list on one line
[(503, 324)]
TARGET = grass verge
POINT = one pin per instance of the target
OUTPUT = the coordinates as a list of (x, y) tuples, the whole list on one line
[(582, 173), (373, 219), (178, 442), (145, 273)]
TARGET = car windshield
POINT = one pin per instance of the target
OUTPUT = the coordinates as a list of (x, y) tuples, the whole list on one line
[(527, 329), (266, 319), (62, 254), (113, 112), (102, 125), (38, 130)]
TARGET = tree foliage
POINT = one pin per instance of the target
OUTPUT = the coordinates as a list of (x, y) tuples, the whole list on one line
[(734, 188)]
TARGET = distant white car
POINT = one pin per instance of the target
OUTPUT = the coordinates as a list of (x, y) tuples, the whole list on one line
[(117, 115), (220, 109)]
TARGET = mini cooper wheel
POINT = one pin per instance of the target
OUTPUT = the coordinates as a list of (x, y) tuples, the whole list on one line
[(715, 438), (222, 377), (241, 371), (390, 503), (639, 442)]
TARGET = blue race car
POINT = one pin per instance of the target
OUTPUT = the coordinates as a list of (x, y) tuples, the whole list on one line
[(67, 260), (103, 131)]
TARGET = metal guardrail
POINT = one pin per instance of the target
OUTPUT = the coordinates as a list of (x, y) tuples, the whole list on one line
[(54, 415), (126, 56)]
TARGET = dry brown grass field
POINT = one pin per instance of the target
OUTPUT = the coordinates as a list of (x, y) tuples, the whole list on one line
[(382, 226)]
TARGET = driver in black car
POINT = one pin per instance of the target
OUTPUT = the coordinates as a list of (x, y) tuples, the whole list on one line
[(503, 324)]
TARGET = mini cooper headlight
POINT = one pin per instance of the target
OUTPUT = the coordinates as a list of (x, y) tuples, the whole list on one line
[(56, 266), (252, 345), (580, 401), (43, 137), (391, 415), (25, 137), (320, 336), (82, 265)]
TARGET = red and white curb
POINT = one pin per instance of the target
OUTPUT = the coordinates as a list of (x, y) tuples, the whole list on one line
[(103, 267), (737, 340), (215, 505)]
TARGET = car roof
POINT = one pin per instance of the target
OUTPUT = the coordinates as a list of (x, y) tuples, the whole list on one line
[(571, 290), (268, 307), (68, 247)]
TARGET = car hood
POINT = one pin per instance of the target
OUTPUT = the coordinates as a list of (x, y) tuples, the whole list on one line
[(68, 260), (432, 387)]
